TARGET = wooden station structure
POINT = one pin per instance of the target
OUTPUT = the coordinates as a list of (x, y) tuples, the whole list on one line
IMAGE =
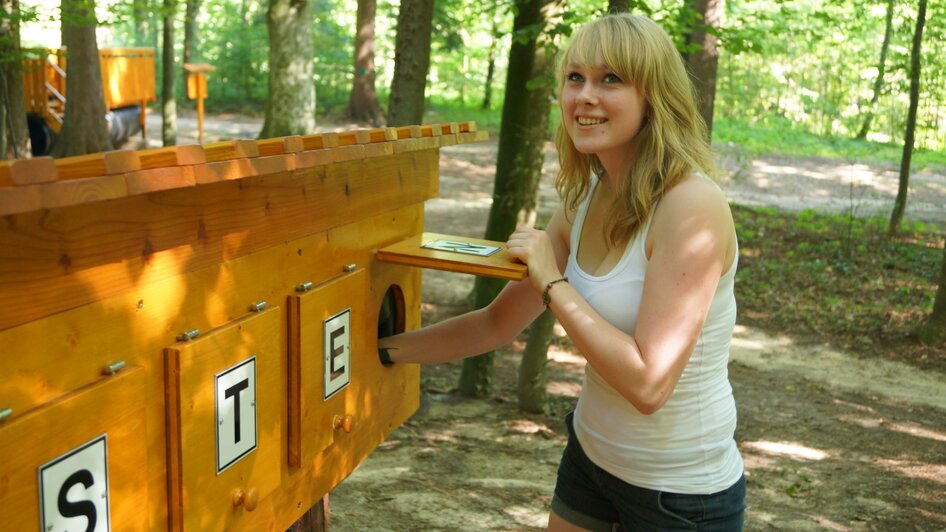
[(190, 334), (127, 80)]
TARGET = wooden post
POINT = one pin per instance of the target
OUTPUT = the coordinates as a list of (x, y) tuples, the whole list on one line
[(197, 90)]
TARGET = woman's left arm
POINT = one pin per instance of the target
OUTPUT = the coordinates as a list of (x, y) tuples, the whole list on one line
[(693, 242)]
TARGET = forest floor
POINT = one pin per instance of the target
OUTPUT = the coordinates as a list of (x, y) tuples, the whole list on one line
[(831, 440)]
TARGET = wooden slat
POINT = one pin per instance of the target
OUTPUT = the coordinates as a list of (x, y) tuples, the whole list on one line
[(83, 190), (319, 141), (308, 159), (28, 171), (98, 164), (17, 200), (382, 134), (157, 179), (280, 145), (409, 145), (171, 156), (234, 149), (223, 171), (408, 132), (409, 252)]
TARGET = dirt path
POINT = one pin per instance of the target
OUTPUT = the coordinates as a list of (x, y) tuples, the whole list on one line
[(831, 441)]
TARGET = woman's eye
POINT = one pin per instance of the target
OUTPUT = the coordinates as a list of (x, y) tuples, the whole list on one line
[(574, 77), (611, 78)]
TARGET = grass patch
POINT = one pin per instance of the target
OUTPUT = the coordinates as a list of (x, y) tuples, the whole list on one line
[(780, 136), (838, 280)]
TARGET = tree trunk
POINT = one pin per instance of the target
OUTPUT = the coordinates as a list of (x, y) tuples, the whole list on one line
[(141, 11), (491, 69), (619, 6), (290, 106), (14, 135), (533, 396), (934, 331), (703, 63), (411, 62), (168, 100), (881, 67), (363, 102), (522, 136), (84, 128), (191, 38), (900, 204)]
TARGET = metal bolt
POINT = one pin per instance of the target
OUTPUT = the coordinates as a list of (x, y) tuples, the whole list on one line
[(349, 267), (5, 413), (188, 335), (259, 306), (114, 367), (304, 287)]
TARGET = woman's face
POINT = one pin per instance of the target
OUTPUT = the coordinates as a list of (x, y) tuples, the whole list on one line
[(602, 112)]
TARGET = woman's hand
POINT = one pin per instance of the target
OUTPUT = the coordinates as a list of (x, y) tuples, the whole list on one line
[(534, 248)]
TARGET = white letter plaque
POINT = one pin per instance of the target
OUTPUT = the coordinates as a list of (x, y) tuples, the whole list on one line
[(236, 412), (336, 348), (73, 489)]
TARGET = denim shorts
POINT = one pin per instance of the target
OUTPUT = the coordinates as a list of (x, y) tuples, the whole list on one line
[(592, 498)]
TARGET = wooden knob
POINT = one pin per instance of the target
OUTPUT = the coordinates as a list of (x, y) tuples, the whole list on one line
[(249, 499), (343, 422)]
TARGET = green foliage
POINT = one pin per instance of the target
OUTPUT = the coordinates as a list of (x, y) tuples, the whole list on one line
[(779, 135), (838, 279)]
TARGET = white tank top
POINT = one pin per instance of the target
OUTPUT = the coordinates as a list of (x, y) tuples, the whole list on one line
[(687, 446)]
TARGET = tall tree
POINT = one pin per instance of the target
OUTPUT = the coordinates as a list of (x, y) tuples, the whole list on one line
[(141, 12), (411, 62), (522, 135), (703, 62), (491, 62), (934, 331), (900, 203), (84, 129), (363, 102), (191, 37), (14, 135), (290, 107), (168, 98), (881, 68)]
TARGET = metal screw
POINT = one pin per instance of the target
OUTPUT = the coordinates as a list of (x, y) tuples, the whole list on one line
[(259, 306), (114, 367), (349, 267), (304, 287), (5, 413), (188, 335)]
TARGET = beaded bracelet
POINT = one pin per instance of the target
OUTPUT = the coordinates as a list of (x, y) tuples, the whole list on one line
[(546, 297)]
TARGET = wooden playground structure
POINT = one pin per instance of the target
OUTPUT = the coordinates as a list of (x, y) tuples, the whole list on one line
[(191, 332), (127, 83)]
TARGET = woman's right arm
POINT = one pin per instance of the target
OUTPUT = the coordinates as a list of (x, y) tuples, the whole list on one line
[(479, 331), (469, 334)]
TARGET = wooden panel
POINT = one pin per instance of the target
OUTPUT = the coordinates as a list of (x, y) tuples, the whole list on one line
[(113, 406), (202, 479), (311, 413), (410, 252), (60, 260)]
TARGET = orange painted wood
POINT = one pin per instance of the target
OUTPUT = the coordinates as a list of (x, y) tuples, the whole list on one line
[(113, 406), (407, 132), (410, 252), (382, 134)]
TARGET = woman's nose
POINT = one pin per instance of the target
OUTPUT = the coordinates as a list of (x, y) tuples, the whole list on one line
[(587, 95)]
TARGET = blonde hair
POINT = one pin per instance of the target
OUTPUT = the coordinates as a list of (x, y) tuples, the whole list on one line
[(672, 143)]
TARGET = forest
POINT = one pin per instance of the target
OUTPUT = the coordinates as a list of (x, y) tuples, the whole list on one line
[(833, 83)]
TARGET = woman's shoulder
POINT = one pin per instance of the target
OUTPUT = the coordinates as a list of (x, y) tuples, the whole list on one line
[(696, 192)]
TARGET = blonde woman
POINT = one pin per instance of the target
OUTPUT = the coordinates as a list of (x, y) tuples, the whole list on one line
[(637, 265)]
